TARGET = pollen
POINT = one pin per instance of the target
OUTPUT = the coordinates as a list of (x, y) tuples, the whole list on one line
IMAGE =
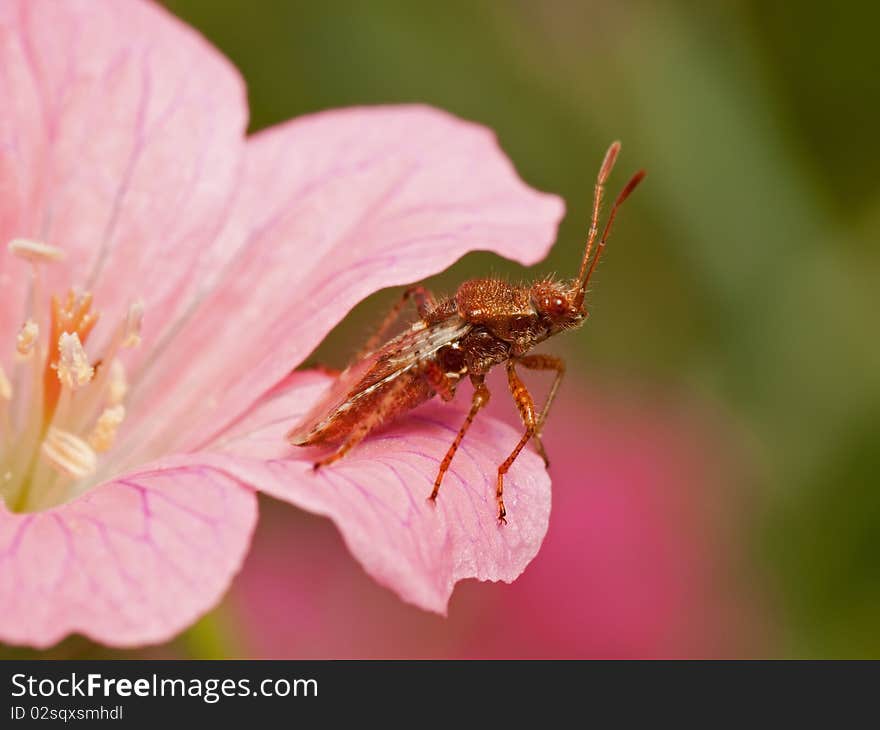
[(104, 433), (69, 454), (27, 338), (64, 400), (73, 368), (70, 315)]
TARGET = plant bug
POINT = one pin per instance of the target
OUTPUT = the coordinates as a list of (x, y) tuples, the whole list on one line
[(487, 322)]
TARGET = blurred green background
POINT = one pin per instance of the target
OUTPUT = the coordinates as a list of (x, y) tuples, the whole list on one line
[(744, 273)]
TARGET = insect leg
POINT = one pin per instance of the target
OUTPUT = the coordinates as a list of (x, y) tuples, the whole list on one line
[(526, 406), (442, 384), (424, 303), (544, 362), (358, 433), (480, 399), (360, 429), (423, 298)]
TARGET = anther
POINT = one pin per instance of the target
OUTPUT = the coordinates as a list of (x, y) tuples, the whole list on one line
[(73, 314), (117, 388), (133, 320), (69, 454), (5, 386), (34, 251), (27, 338), (104, 433), (73, 366)]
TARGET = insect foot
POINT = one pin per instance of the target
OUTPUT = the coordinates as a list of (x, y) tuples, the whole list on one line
[(502, 512)]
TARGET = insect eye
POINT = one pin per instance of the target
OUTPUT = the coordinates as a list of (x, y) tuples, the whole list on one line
[(553, 305)]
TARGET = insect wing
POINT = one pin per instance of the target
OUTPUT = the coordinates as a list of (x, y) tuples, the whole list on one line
[(376, 369)]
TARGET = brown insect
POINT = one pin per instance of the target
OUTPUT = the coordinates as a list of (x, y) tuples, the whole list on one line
[(486, 323)]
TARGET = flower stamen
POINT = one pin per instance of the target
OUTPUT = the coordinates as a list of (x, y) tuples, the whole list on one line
[(73, 368), (5, 386), (69, 454), (26, 339), (72, 317), (34, 251), (59, 408), (5, 422), (134, 319), (104, 433), (118, 385)]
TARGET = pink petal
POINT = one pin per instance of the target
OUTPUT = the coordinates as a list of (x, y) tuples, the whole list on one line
[(643, 558), (334, 207), (132, 562), (121, 134), (377, 495)]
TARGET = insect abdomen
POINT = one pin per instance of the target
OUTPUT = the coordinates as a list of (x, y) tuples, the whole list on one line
[(382, 402)]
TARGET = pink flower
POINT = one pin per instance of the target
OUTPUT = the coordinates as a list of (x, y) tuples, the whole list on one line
[(643, 559), (129, 450)]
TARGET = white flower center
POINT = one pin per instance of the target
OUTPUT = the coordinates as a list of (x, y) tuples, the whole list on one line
[(59, 408)]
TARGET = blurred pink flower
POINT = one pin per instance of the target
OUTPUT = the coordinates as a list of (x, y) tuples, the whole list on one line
[(129, 470), (641, 559)]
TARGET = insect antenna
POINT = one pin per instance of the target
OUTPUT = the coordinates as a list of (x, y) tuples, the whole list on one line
[(587, 268), (598, 194)]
